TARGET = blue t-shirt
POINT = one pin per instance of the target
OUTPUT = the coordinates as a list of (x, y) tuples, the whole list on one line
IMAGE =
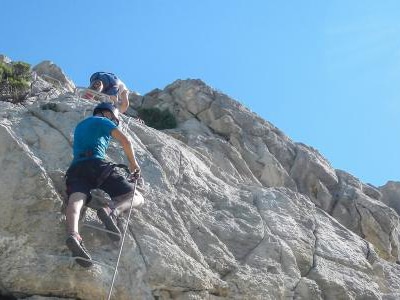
[(91, 138)]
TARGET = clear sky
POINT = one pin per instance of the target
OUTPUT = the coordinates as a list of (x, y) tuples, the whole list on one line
[(326, 73)]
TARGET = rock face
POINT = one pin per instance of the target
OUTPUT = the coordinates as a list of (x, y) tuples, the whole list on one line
[(234, 209), (5, 59), (391, 195), (53, 74)]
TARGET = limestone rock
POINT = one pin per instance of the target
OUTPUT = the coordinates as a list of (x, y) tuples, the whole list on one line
[(254, 150), (233, 210), (53, 74), (367, 217), (5, 59), (391, 195), (314, 176), (267, 152)]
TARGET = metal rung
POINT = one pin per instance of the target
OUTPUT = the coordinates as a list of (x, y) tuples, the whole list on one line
[(74, 258), (80, 91), (101, 229)]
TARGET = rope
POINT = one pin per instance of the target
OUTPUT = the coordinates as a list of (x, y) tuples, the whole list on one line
[(122, 243)]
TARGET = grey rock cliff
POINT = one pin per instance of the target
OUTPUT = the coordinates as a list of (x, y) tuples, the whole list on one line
[(234, 209), (391, 195), (53, 74)]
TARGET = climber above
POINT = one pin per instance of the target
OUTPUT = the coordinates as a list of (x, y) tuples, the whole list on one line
[(89, 170), (110, 84)]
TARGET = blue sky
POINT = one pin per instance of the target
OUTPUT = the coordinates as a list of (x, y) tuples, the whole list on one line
[(326, 73)]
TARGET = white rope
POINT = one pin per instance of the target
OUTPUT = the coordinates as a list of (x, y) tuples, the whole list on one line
[(122, 243)]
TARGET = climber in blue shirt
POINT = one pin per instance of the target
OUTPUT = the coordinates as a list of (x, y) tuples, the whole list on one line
[(90, 170)]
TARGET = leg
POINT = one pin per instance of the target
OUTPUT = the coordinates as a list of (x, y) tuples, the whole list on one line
[(75, 204), (124, 102), (108, 215), (108, 219), (123, 202), (121, 193), (74, 241)]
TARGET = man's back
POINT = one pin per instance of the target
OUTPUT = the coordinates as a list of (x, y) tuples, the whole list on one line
[(91, 138), (108, 79)]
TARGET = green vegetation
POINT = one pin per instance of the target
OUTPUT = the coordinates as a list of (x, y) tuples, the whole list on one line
[(14, 81), (158, 119)]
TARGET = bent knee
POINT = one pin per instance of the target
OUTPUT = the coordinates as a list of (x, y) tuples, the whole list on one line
[(137, 200), (76, 197)]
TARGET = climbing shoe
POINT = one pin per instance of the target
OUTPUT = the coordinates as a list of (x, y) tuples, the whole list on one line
[(79, 251), (110, 223), (121, 223)]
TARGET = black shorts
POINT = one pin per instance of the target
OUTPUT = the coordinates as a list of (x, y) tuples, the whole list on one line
[(84, 176)]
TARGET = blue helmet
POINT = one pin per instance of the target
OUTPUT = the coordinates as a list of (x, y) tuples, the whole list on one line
[(111, 108)]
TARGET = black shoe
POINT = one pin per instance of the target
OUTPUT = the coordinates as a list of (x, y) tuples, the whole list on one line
[(78, 250), (121, 223), (110, 223)]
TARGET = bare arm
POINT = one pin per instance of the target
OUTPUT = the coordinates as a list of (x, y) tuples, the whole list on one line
[(127, 146), (124, 102)]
